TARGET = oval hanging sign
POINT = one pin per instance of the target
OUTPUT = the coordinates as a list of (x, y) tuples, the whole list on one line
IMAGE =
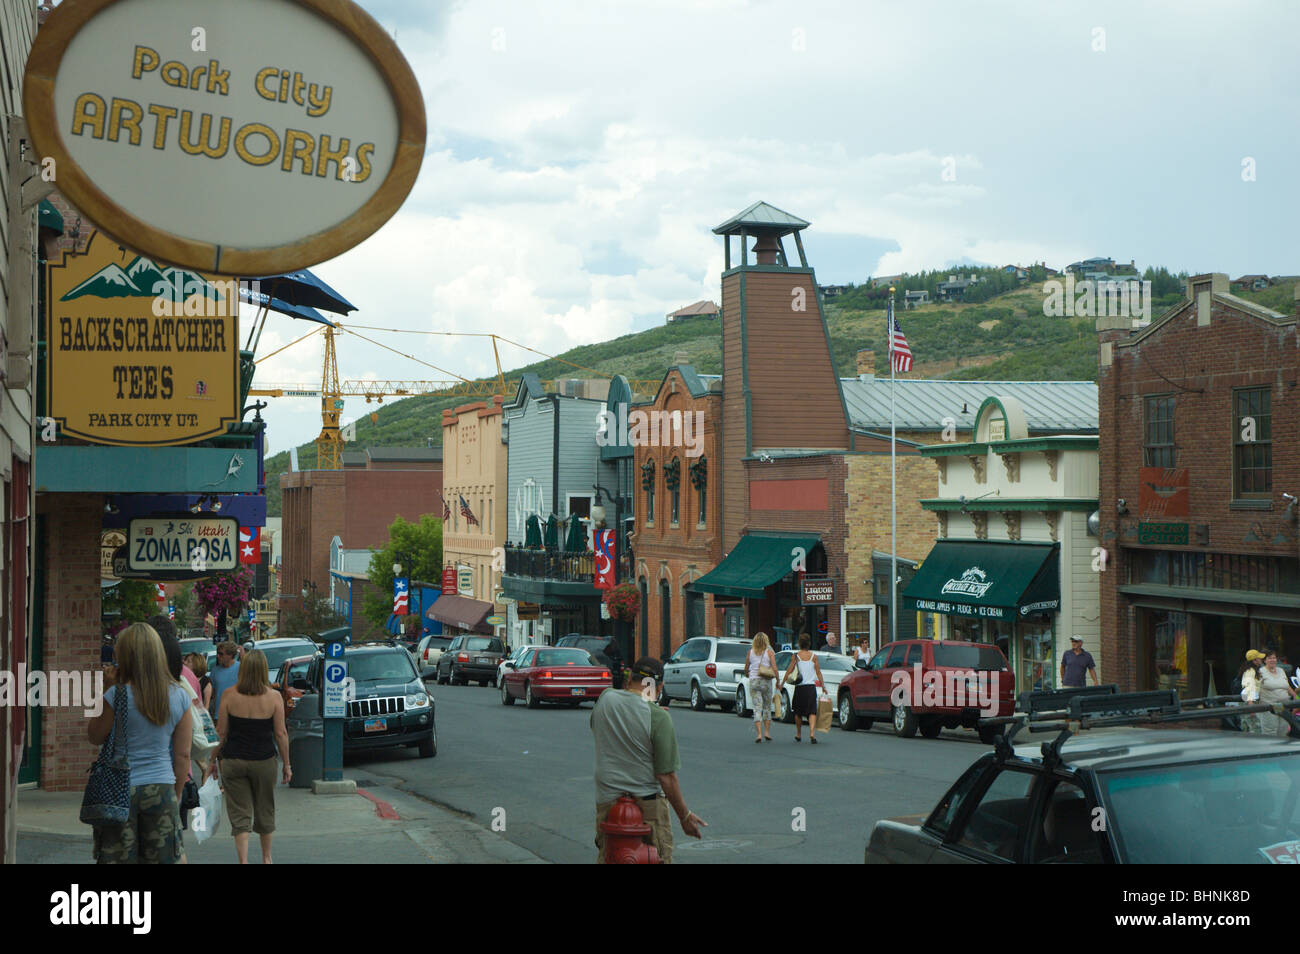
[(246, 137)]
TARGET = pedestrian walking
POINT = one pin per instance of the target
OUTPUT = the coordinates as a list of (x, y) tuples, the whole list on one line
[(224, 674), (158, 736), (1274, 686), (760, 665), (1248, 675), (1076, 664), (251, 727), (636, 754), (198, 664), (808, 679)]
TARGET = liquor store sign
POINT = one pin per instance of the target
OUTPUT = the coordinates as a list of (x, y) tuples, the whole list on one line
[(816, 591), (242, 137), (138, 353), (183, 544)]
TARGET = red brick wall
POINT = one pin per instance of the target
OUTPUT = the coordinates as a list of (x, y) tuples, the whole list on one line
[(72, 628), (375, 498), (1201, 366)]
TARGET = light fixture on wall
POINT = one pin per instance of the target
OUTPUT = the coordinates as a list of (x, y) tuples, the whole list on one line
[(1289, 513), (1121, 507)]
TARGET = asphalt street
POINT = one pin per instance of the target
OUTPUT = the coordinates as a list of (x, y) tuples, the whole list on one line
[(528, 774)]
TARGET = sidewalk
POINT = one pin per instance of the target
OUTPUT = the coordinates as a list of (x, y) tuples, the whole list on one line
[(382, 826)]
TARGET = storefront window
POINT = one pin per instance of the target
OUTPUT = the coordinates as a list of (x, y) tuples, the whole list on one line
[(857, 629), (966, 628), (1166, 651), (1036, 665)]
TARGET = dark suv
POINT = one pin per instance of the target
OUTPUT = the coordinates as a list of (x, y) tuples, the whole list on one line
[(388, 705), (471, 659), (604, 648)]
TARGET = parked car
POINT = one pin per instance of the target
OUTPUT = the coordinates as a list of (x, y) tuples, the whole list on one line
[(390, 705), (196, 644), (513, 658), (834, 668), (469, 658), (965, 669), (604, 648), (1238, 793), (554, 674), (703, 670), (285, 647), (292, 670), (427, 653)]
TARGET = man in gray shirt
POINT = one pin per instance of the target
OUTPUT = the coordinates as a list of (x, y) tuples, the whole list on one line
[(636, 754), (1076, 663)]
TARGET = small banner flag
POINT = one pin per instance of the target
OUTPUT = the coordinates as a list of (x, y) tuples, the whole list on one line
[(401, 596), (161, 594), (605, 545), (250, 544)]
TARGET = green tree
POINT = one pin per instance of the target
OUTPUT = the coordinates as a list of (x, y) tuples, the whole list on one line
[(418, 548), (314, 616), (183, 600), (130, 600)]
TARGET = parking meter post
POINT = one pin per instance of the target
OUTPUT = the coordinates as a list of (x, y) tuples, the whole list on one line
[(333, 710)]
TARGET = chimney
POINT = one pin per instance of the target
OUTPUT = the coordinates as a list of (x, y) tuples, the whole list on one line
[(867, 360), (682, 357), (766, 249)]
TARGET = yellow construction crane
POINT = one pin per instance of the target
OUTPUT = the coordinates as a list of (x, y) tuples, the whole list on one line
[(329, 444)]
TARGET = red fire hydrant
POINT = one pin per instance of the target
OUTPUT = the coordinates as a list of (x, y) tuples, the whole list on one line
[(624, 829)]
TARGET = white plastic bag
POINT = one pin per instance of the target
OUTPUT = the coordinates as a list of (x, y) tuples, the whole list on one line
[(205, 819)]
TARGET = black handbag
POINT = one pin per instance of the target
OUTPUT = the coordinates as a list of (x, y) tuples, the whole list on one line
[(107, 800), (798, 676)]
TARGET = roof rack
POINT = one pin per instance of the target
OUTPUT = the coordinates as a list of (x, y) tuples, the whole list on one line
[(1071, 710)]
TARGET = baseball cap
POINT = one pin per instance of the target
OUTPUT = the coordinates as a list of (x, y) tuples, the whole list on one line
[(1253, 654), (1076, 639), (648, 666)]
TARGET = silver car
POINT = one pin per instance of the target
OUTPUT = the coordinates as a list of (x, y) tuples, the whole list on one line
[(703, 670)]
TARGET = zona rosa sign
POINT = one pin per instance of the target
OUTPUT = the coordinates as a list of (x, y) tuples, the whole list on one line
[(245, 137)]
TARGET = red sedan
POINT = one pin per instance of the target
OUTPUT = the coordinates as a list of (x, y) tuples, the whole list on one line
[(568, 676)]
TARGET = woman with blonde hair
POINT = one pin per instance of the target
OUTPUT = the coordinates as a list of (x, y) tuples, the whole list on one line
[(198, 664), (760, 664), (251, 725), (157, 742)]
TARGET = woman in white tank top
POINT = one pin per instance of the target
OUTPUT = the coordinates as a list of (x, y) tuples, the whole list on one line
[(804, 703), (758, 658)]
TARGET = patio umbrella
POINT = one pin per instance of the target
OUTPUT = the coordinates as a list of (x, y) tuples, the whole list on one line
[(575, 541), (533, 531), (552, 538), (304, 288), (264, 300)]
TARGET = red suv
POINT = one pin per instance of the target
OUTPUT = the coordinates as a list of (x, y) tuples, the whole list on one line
[(929, 685)]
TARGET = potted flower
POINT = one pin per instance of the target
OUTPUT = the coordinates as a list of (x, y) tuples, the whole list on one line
[(624, 602)]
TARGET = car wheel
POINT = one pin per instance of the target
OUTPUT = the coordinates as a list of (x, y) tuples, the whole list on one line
[(741, 709), (506, 698), (429, 746), (664, 700), (848, 718), (931, 728), (532, 700), (904, 722), (989, 733), (697, 697), (787, 701)]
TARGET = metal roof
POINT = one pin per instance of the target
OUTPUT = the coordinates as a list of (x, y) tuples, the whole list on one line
[(921, 405), (761, 216)]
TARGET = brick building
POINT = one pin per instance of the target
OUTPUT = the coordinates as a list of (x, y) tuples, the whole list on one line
[(356, 504), (677, 509), (1199, 468)]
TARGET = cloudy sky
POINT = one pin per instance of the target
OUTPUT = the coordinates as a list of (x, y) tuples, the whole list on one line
[(579, 153)]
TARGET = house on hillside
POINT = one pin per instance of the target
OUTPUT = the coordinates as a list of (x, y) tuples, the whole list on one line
[(1251, 282), (834, 291), (1102, 265), (1018, 271), (700, 309), (955, 287), (913, 299)]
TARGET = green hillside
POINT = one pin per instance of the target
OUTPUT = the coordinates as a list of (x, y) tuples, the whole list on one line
[(1007, 337)]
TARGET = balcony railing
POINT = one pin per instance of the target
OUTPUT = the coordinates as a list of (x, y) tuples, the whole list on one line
[(550, 564)]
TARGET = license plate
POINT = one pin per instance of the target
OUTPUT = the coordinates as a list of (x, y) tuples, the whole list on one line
[(376, 725), (484, 659), (577, 692)]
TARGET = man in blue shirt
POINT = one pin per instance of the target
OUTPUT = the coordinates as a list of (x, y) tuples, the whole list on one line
[(1075, 664), (224, 674)]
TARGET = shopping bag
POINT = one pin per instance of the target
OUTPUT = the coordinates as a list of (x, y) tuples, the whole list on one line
[(778, 711), (825, 710), (205, 819)]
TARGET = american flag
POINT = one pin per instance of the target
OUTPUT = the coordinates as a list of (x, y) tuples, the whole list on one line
[(899, 352), (467, 513), (446, 511)]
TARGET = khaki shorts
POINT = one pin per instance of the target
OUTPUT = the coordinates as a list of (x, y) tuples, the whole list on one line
[(250, 794), (152, 834), (656, 813)]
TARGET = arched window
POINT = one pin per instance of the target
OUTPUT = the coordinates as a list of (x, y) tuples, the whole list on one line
[(700, 481), (648, 485), (673, 481)]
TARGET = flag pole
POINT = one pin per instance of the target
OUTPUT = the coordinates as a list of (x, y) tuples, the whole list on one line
[(893, 488)]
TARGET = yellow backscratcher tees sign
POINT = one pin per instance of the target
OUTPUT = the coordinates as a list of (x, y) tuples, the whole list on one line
[(139, 353)]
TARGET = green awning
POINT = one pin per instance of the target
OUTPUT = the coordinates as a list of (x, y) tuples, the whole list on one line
[(49, 217), (989, 580), (757, 561)]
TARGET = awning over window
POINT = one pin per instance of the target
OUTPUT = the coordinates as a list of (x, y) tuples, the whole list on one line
[(758, 561), (462, 612), (989, 580)]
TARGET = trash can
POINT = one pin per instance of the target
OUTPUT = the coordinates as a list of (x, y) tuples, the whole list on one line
[(306, 741)]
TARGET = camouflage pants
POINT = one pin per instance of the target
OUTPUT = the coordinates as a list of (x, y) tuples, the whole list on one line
[(152, 834)]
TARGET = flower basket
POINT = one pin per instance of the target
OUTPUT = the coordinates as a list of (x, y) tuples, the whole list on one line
[(624, 602)]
